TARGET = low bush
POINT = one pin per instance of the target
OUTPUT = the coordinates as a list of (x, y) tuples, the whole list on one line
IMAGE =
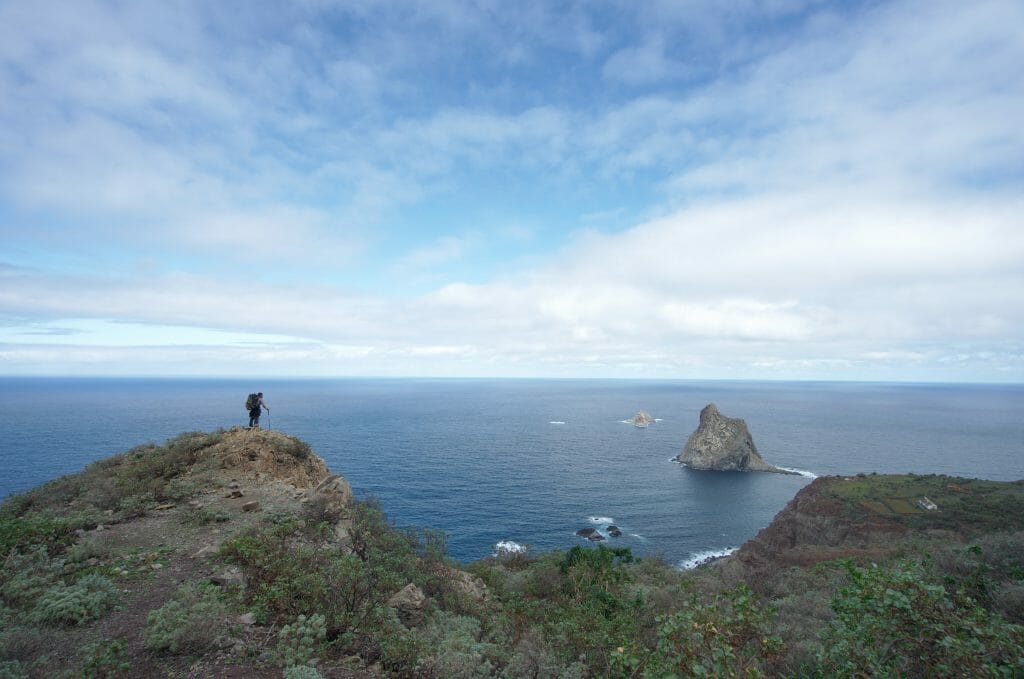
[(193, 621), (12, 669), (22, 643), (899, 622), (302, 672), (20, 532), (25, 576), (301, 641), (207, 515), (106, 660), (453, 647), (87, 599), (728, 637), (297, 448), (292, 568)]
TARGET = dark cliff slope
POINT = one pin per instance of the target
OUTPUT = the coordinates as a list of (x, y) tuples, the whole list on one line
[(875, 516)]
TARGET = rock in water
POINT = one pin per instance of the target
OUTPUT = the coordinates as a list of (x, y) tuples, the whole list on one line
[(641, 419), (724, 444)]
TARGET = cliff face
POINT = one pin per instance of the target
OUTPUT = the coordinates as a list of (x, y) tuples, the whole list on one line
[(723, 444), (872, 516), (816, 526)]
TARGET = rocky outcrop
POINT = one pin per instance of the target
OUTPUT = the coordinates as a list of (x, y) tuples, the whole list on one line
[(723, 444), (642, 419), (409, 603), (263, 455), (817, 526)]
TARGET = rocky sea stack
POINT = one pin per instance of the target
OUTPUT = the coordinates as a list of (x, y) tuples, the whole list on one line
[(723, 443), (642, 419)]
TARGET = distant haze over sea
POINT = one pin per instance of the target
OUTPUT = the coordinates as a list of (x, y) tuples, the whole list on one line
[(529, 462)]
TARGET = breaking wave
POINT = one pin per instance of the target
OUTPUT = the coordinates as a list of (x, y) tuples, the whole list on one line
[(801, 472), (601, 519), (707, 556), (506, 547), (556, 422)]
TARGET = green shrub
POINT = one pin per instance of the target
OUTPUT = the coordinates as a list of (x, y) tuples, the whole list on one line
[(898, 622), (12, 669), (453, 648), (301, 641), (24, 577), (96, 546), (22, 643), (302, 672), (533, 657), (208, 515), (191, 622), (730, 636), (106, 660), (297, 448), (512, 557), (30, 529), (151, 473), (292, 568), (88, 599)]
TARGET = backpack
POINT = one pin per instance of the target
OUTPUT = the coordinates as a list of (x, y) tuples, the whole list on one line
[(252, 402)]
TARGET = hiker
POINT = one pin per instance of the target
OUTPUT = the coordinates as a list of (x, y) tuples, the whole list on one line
[(255, 405)]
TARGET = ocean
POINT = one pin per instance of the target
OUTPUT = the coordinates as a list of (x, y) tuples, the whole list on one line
[(529, 462)]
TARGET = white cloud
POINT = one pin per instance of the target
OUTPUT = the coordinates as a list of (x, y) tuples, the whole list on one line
[(445, 250), (643, 64), (835, 190)]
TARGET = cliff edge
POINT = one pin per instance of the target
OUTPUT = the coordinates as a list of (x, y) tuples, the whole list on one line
[(872, 517)]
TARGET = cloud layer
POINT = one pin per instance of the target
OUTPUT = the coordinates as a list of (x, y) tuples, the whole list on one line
[(785, 190)]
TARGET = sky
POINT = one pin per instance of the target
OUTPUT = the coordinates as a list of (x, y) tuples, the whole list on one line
[(687, 189)]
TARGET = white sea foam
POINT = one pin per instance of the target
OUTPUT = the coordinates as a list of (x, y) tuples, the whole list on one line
[(704, 557), (639, 537), (801, 472), (556, 422), (507, 547), (601, 519)]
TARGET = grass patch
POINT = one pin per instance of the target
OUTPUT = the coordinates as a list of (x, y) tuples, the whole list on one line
[(901, 506), (968, 506), (875, 506)]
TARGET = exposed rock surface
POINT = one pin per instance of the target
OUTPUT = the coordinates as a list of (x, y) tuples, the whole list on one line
[(815, 526), (409, 603), (869, 518), (268, 456), (642, 419), (723, 444)]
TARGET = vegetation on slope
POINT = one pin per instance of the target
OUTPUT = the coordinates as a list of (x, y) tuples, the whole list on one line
[(145, 564)]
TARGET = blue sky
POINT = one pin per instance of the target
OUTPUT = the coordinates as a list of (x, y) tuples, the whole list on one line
[(783, 189)]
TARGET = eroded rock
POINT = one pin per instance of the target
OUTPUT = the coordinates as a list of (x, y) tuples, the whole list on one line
[(409, 603), (723, 443)]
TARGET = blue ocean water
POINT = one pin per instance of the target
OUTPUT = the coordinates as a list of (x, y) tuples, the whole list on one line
[(532, 461)]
